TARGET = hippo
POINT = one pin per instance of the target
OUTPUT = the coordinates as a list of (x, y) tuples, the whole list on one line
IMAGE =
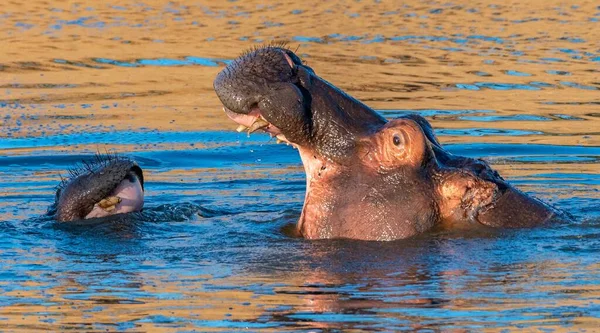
[(108, 185), (367, 178)]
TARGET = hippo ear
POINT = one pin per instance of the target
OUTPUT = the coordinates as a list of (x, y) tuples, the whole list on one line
[(425, 127)]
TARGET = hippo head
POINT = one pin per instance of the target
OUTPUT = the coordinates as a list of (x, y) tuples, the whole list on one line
[(107, 185), (367, 178)]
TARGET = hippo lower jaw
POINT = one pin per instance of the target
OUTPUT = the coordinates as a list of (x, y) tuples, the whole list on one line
[(127, 197)]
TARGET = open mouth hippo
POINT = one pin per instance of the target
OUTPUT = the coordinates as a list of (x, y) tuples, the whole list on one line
[(106, 186), (367, 178)]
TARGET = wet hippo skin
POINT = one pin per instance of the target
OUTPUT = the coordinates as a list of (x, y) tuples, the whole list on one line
[(367, 178), (107, 185)]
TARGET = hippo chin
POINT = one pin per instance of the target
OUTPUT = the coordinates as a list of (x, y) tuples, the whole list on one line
[(367, 178), (106, 186)]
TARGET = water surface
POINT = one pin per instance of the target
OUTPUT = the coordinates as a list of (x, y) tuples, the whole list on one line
[(517, 84)]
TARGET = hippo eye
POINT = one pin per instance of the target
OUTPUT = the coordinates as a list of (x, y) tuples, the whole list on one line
[(397, 140)]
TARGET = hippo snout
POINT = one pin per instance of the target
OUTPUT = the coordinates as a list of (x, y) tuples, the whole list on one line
[(107, 185)]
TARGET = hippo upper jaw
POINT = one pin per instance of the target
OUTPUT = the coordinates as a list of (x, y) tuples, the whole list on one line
[(108, 185), (271, 89)]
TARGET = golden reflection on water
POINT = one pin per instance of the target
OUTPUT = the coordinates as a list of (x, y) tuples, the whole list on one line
[(187, 300), (55, 78), (390, 55)]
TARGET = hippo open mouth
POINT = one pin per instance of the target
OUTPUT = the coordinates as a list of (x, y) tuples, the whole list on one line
[(106, 186), (367, 178)]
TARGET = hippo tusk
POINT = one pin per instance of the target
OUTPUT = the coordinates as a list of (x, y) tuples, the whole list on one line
[(109, 204), (281, 138), (258, 124)]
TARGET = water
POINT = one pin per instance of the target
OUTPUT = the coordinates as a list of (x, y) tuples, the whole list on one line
[(516, 84)]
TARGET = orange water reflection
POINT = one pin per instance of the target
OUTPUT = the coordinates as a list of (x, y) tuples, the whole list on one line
[(531, 67)]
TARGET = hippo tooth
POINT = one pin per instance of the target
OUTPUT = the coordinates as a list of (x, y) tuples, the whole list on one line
[(258, 124), (241, 128)]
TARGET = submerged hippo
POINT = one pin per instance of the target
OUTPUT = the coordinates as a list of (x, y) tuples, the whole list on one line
[(367, 178), (106, 186)]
